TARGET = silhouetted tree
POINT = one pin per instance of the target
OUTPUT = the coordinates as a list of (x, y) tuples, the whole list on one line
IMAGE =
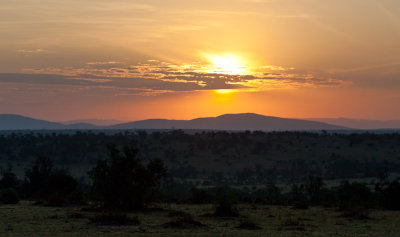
[(62, 189), (123, 182), (391, 194), (54, 187), (8, 178), (8, 196), (8, 186), (36, 177), (313, 187)]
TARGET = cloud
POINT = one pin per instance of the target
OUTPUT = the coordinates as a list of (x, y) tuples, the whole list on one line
[(30, 51), (156, 77)]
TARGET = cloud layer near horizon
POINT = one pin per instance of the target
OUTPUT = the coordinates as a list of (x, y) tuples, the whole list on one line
[(154, 77)]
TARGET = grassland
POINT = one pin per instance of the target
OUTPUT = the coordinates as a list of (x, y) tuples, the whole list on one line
[(26, 219)]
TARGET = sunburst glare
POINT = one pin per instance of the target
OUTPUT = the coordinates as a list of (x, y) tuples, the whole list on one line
[(227, 63)]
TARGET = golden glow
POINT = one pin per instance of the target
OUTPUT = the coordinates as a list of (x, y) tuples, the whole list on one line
[(225, 91), (227, 63), (224, 96)]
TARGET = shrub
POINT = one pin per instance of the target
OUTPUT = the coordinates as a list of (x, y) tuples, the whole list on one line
[(185, 222), (9, 179), (246, 224), (199, 196), (50, 186), (356, 212), (350, 195), (114, 219), (37, 176), (123, 182), (225, 208), (293, 224), (9, 196), (63, 189), (392, 196)]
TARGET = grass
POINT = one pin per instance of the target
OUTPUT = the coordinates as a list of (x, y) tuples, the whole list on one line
[(25, 219)]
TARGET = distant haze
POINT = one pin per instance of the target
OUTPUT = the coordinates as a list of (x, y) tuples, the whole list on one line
[(360, 123), (97, 122)]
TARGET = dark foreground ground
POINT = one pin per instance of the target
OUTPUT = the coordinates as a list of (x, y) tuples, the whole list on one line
[(26, 219)]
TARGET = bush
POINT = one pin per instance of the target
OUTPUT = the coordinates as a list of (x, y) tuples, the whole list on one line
[(225, 208), (356, 212), (392, 196), (185, 222), (63, 189), (353, 194), (50, 186), (9, 196), (246, 224), (123, 182), (37, 176), (114, 219), (292, 224), (199, 196), (9, 179)]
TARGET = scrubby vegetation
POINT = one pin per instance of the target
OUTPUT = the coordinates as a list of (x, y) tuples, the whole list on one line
[(218, 158), (125, 184)]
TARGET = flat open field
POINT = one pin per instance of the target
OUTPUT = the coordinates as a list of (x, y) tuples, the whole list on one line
[(25, 219)]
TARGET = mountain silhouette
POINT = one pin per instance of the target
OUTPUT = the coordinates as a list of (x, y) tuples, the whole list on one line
[(19, 122), (360, 123), (231, 122)]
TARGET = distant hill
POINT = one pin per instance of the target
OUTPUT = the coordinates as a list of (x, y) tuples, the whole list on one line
[(19, 122), (232, 122), (97, 122), (81, 126), (360, 123)]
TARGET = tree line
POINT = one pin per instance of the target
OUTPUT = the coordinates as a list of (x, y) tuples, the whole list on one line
[(222, 158), (123, 181)]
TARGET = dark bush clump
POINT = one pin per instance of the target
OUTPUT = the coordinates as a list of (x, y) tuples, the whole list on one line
[(392, 196), (177, 214), (9, 196), (50, 186), (114, 219), (200, 196), (246, 224), (293, 224), (185, 222), (63, 190), (356, 212), (123, 182), (225, 208)]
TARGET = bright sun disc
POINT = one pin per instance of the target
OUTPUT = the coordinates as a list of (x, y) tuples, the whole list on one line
[(226, 64)]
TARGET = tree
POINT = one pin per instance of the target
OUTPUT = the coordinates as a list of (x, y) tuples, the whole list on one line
[(313, 186), (8, 179), (123, 182), (62, 189), (8, 186), (36, 177), (54, 186), (392, 196)]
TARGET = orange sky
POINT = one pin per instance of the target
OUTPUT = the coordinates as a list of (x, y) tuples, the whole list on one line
[(179, 59)]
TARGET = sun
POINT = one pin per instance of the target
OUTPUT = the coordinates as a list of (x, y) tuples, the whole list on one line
[(226, 63)]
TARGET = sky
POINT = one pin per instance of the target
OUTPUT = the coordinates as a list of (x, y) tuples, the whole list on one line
[(181, 59)]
